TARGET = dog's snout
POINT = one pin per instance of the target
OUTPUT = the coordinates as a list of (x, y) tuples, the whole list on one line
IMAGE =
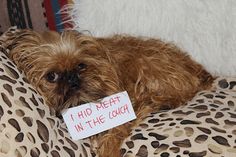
[(73, 80)]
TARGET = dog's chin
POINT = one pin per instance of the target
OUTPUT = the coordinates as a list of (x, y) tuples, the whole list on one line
[(61, 103), (76, 99)]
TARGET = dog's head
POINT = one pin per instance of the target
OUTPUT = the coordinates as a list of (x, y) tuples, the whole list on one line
[(67, 69)]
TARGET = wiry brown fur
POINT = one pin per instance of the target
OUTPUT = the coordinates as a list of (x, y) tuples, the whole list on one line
[(154, 73)]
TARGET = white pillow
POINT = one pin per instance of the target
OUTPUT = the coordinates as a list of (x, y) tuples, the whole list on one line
[(204, 28)]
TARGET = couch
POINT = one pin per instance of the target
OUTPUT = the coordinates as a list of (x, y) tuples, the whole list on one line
[(205, 126)]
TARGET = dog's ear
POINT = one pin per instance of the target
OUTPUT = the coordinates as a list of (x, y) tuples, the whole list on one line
[(87, 43), (35, 38), (25, 36), (22, 47), (72, 34), (23, 40), (50, 36), (82, 39)]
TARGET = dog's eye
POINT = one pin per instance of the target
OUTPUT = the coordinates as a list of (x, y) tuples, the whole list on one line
[(52, 77), (81, 66)]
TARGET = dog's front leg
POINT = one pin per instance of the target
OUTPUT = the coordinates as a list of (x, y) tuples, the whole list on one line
[(109, 143)]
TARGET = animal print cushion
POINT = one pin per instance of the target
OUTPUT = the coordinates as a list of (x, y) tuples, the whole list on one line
[(206, 126)]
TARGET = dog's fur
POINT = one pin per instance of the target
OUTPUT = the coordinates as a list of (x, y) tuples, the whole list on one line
[(71, 68)]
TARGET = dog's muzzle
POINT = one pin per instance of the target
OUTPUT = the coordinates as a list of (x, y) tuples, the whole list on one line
[(68, 84)]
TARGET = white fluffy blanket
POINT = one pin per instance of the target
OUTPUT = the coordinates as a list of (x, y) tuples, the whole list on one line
[(206, 29)]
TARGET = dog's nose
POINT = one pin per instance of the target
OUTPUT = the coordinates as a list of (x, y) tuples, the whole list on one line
[(73, 80)]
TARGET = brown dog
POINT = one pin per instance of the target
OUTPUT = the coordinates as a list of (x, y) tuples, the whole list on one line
[(69, 69)]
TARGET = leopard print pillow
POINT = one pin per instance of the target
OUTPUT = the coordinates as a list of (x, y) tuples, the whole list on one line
[(206, 126)]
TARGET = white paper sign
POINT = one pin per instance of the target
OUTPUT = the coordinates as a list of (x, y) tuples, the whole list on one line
[(92, 118)]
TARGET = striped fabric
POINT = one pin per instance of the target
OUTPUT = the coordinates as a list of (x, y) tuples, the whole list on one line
[(39, 15)]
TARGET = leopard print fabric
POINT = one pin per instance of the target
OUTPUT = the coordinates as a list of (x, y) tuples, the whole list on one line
[(206, 126)]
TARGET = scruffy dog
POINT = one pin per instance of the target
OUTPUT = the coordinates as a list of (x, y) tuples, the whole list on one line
[(70, 68)]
